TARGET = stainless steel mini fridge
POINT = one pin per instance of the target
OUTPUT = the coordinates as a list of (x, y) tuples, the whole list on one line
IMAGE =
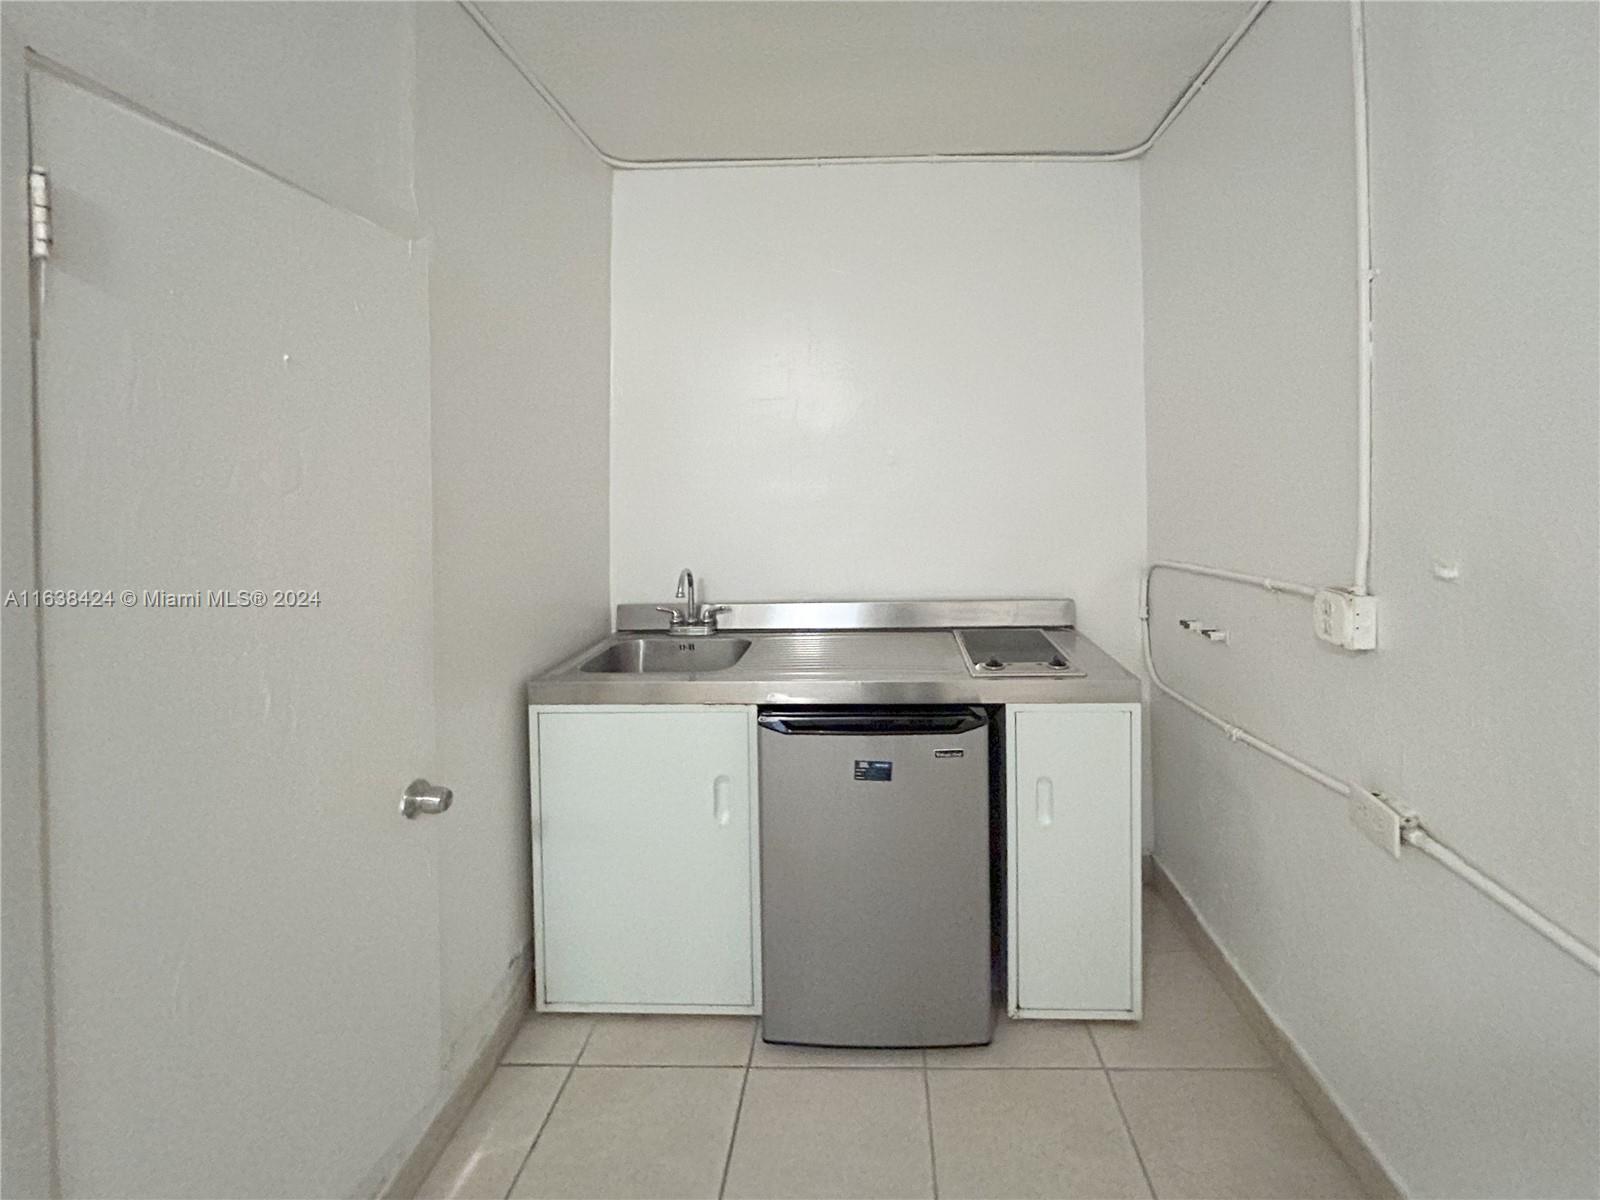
[(875, 876)]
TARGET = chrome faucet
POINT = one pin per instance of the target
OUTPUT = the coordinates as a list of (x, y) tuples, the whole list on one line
[(694, 619)]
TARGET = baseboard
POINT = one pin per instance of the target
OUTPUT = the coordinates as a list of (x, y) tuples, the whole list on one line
[(1297, 1069), (502, 1015)]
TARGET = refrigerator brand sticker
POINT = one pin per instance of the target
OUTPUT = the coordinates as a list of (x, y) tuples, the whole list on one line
[(873, 770), (949, 753)]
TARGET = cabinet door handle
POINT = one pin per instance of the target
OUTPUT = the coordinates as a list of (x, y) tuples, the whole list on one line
[(1044, 802), (721, 811)]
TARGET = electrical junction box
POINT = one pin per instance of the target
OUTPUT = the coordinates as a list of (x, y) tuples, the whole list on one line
[(1379, 821), (1346, 619)]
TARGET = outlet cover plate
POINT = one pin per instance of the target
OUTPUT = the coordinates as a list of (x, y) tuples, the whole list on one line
[(1379, 823)]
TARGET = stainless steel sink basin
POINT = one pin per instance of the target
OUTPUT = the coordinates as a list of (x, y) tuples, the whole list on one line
[(647, 656)]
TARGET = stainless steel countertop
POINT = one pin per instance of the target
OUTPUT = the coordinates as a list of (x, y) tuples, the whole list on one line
[(876, 666)]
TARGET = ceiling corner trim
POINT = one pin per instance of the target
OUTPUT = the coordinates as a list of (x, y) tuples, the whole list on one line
[(1193, 89)]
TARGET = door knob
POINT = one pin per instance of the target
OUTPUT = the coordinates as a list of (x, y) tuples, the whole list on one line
[(421, 796)]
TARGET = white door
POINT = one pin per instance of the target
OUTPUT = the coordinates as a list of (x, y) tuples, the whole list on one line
[(644, 836), (1074, 818), (232, 395)]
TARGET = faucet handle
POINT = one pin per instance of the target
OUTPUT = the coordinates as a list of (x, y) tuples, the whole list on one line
[(708, 614), (675, 617)]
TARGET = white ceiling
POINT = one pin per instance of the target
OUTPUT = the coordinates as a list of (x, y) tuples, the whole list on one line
[(700, 79)]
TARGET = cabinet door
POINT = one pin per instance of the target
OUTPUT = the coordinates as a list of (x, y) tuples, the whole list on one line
[(1074, 817), (644, 832)]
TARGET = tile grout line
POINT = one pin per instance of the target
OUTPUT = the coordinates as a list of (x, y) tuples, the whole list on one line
[(1213, 1067), (560, 1091), (664, 1066), (1005, 1066), (1126, 1127), (1132, 1141), (521, 1066), (738, 1111), (927, 1099), (1088, 1027)]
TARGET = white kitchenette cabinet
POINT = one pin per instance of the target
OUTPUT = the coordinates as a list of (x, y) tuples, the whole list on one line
[(645, 859), (1073, 850)]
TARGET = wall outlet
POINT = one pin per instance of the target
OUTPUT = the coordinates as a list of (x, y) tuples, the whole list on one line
[(1379, 823), (1345, 619)]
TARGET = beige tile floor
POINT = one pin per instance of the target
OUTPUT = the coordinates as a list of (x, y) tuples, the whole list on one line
[(1185, 1104)]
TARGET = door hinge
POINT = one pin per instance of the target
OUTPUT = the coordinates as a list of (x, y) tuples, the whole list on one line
[(40, 235)]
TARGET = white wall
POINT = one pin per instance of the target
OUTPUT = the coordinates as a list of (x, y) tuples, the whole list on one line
[(408, 117), (880, 381), (1461, 1043), (256, 77), (518, 220)]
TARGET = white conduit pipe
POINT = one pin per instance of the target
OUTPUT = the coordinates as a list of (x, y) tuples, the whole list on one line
[(1364, 278), (668, 164), (1513, 904), (1414, 835), (1365, 274), (1260, 581)]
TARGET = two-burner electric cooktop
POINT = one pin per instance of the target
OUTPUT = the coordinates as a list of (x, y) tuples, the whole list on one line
[(1014, 654)]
